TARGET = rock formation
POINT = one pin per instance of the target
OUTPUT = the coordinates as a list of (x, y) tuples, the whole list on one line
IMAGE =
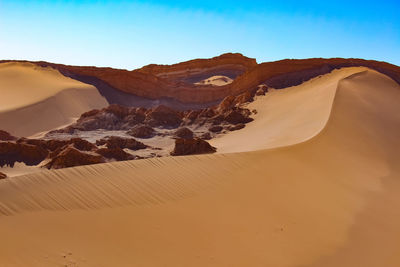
[(192, 147), (175, 82), (5, 136), (119, 142), (184, 133), (11, 152), (115, 153), (141, 131), (3, 176), (71, 157)]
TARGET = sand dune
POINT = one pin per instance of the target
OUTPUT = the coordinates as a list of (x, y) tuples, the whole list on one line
[(35, 99), (287, 117), (333, 200)]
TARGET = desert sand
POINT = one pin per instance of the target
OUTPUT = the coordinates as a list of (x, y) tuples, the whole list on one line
[(332, 200), (35, 99), (287, 117), (217, 80)]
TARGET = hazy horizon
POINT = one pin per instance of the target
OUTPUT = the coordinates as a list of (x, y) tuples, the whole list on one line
[(131, 34)]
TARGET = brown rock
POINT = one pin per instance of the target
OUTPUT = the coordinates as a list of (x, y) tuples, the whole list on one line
[(157, 81), (3, 175), (192, 115), (82, 145), (71, 157), (226, 104), (192, 147), (260, 91), (243, 98), (17, 152), (163, 116), (115, 153), (5, 136), (216, 128), (237, 127), (184, 132), (235, 117), (117, 110), (207, 113), (142, 131), (206, 136), (119, 142)]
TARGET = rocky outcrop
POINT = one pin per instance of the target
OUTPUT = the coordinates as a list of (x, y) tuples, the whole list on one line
[(230, 65), (237, 116), (141, 131), (216, 128), (119, 142), (206, 136), (237, 127), (175, 82), (192, 147), (115, 153), (184, 133), (117, 117), (71, 157), (5, 136), (11, 152), (163, 116), (55, 144), (3, 176)]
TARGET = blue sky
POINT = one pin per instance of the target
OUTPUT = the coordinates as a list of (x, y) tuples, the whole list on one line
[(130, 34)]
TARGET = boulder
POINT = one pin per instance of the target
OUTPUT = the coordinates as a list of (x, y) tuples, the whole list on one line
[(71, 157), (3, 175), (184, 132), (192, 147), (141, 131)]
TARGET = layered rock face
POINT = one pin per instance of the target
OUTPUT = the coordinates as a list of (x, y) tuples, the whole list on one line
[(176, 82), (193, 71)]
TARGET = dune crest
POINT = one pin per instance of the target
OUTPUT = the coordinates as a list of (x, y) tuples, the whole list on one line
[(36, 99), (288, 116)]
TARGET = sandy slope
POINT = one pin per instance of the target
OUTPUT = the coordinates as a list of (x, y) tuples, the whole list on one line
[(287, 117), (331, 201), (35, 99)]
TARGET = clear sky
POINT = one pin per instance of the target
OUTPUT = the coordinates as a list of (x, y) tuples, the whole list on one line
[(130, 34)]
